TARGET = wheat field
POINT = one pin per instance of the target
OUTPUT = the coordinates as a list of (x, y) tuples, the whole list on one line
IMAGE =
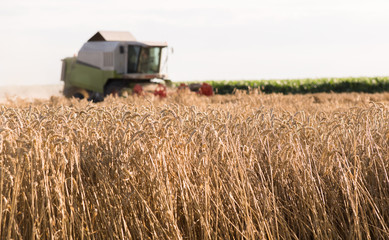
[(242, 166)]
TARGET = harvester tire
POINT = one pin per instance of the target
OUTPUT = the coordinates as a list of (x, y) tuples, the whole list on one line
[(77, 93), (114, 89)]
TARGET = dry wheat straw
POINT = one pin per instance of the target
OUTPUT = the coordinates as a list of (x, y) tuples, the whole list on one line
[(245, 166)]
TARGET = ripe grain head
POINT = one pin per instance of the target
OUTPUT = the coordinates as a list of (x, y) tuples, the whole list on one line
[(238, 166)]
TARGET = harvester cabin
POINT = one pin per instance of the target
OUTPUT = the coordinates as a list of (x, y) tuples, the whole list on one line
[(121, 52)]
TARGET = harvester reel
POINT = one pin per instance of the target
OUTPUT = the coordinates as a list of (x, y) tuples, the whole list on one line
[(138, 90), (160, 91), (206, 90)]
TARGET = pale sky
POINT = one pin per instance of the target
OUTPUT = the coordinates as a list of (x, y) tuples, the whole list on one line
[(212, 40)]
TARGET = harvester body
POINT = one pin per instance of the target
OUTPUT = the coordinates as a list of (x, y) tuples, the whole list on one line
[(110, 62)]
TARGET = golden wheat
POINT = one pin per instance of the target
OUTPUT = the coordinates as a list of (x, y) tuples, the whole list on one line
[(245, 166)]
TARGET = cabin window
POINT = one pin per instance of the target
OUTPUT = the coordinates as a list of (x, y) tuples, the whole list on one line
[(133, 55), (149, 60)]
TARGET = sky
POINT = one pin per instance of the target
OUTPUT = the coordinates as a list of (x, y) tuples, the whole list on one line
[(211, 39)]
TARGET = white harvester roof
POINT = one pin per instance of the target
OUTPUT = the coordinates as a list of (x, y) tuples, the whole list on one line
[(116, 36), (112, 36)]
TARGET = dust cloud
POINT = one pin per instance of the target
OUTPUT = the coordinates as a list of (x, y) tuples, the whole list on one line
[(10, 93)]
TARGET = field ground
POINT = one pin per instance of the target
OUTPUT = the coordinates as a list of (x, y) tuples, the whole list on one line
[(242, 166)]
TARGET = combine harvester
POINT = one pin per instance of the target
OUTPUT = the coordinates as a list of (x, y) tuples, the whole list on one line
[(115, 63)]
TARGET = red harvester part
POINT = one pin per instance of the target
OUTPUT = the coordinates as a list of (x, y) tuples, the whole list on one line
[(138, 89), (206, 89), (160, 91), (182, 87)]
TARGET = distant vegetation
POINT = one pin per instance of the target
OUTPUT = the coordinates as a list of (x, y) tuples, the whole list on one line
[(361, 84)]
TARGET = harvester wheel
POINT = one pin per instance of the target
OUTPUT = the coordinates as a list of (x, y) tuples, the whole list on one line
[(114, 89), (77, 93), (78, 96)]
